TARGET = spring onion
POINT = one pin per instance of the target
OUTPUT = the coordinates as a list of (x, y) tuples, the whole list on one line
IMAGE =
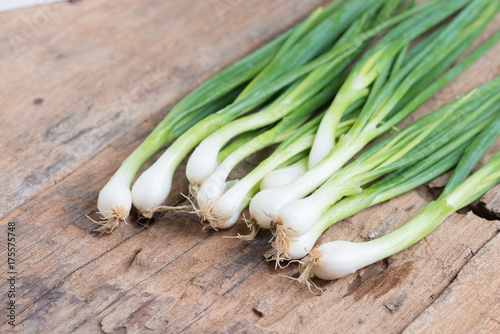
[(298, 217), (115, 199), (399, 182), (153, 186), (340, 258), (373, 122)]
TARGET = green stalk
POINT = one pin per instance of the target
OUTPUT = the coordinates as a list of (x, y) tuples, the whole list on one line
[(209, 97), (406, 179), (310, 37), (472, 20), (153, 143), (434, 213), (372, 65), (286, 103), (472, 155), (345, 50), (417, 66), (297, 94), (468, 116)]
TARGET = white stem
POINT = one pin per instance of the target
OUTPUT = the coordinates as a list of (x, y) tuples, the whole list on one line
[(229, 222), (300, 215), (300, 246), (283, 176), (354, 88), (229, 206), (341, 258), (115, 198), (324, 140), (203, 161), (153, 186), (212, 188), (265, 203)]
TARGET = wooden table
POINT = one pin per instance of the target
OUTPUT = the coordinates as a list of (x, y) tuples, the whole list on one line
[(83, 83)]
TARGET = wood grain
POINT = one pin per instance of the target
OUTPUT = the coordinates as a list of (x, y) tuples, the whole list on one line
[(385, 296), (86, 83), (471, 303)]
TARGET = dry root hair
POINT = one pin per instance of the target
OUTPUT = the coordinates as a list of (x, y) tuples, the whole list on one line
[(305, 268), (280, 242), (110, 219), (193, 189), (205, 212), (252, 225)]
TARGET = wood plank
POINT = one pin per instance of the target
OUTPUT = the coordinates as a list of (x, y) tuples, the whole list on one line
[(471, 303), (383, 297), (149, 281), (172, 275)]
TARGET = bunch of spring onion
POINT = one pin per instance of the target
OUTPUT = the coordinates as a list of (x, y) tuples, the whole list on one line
[(340, 258), (115, 199), (152, 187), (465, 118), (221, 209), (203, 169), (226, 209), (389, 96), (307, 41), (216, 184), (299, 219), (285, 53)]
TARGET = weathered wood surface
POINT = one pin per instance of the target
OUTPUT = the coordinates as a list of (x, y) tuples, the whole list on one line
[(107, 73), (467, 305)]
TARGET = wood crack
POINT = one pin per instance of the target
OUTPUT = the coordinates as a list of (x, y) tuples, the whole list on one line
[(64, 278), (435, 297), (152, 275), (202, 312)]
